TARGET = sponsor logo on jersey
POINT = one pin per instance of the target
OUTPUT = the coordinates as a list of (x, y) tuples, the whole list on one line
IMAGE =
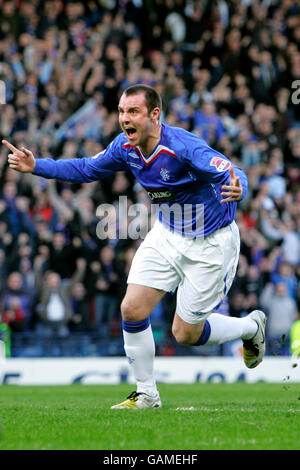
[(220, 163), (160, 195)]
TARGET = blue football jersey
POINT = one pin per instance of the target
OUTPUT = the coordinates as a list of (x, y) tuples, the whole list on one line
[(182, 176)]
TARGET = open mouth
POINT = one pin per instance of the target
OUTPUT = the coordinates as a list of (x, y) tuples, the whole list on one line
[(131, 132)]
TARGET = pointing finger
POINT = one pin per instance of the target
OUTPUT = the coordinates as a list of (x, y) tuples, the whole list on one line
[(10, 146)]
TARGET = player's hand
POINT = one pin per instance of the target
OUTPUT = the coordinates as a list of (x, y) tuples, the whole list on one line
[(20, 160), (234, 191)]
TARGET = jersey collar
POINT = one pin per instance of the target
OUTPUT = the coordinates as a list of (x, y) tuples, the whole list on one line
[(159, 149)]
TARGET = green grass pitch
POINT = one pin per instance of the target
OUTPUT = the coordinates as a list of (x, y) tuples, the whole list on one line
[(239, 416)]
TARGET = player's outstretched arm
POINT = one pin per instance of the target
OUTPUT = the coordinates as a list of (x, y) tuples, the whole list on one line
[(73, 170), (20, 160), (234, 191)]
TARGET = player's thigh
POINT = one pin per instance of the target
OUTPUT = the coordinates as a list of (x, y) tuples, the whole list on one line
[(151, 276), (207, 280), (139, 301), (152, 264), (186, 333)]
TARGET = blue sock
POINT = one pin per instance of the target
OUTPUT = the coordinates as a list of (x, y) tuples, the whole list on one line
[(204, 335), (135, 326)]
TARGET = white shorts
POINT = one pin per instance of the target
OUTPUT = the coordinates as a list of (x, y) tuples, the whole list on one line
[(202, 268)]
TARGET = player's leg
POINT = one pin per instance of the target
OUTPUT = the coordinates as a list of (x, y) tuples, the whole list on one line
[(205, 284), (218, 329), (150, 277), (138, 303), (213, 329)]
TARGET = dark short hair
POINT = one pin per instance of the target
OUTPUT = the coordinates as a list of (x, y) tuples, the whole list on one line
[(152, 97)]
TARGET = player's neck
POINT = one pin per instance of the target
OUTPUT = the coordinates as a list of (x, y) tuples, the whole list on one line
[(152, 140)]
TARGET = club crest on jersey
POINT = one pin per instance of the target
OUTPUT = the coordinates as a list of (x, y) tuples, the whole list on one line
[(165, 173), (220, 163)]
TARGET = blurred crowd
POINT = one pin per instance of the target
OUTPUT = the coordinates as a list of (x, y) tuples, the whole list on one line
[(228, 71)]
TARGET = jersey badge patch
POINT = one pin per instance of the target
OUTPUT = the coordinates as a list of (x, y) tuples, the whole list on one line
[(220, 163)]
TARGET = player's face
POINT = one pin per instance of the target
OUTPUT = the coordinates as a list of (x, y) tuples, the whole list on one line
[(134, 118)]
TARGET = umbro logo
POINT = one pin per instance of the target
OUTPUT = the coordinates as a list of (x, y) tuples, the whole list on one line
[(133, 155), (199, 313)]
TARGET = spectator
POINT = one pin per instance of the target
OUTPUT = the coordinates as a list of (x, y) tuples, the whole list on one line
[(281, 310), (3, 270), (237, 304), (63, 255), (14, 315), (106, 299), (285, 274), (208, 125), (55, 308), (291, 243), (253, 283), (17, 303), (251, 154), (80, 320)]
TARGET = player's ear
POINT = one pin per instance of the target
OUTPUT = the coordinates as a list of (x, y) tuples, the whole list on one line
[(155, 113)]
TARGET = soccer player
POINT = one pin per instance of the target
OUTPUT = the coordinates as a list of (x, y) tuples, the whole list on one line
[(193, 245)]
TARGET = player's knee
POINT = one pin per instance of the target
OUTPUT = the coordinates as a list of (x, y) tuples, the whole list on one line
[(130, 310), (182, 336)]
